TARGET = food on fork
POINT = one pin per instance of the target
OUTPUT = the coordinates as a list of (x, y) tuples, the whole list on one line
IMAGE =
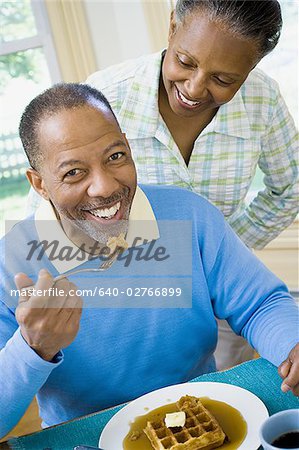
[(117, 242), (201, 430)]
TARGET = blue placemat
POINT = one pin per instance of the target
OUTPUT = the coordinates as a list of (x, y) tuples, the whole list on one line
[(258, 376)]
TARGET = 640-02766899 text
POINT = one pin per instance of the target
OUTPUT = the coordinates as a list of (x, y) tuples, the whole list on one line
[(141, 292)]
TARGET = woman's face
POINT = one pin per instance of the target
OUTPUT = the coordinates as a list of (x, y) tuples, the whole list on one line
[(204, 65)]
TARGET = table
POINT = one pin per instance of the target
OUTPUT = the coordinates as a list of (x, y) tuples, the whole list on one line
[(258, 376)]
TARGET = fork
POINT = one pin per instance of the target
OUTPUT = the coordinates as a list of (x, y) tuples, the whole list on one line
[(86, 447), (104, 266)]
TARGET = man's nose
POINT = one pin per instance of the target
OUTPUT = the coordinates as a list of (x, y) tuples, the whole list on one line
[(197, 86), (102, 184)]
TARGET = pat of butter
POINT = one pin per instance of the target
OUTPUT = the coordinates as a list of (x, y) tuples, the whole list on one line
[(176, 419)]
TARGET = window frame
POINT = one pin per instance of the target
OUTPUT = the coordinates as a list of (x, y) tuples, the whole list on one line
[(43, 39)]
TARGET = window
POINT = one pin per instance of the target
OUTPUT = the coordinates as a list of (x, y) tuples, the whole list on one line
[(28, 65), (282, 66), (282, 63)]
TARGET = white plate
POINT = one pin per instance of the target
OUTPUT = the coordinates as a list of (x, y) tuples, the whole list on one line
[(251, 407)]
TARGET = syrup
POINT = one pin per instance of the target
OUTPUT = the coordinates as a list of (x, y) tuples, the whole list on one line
[(230, 420)]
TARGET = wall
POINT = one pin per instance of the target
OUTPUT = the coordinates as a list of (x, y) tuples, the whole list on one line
[(120, 30), (281, 256)]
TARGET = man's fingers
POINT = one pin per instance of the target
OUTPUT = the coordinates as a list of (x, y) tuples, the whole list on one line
[(76, 313), (22, 281), (284, 368), (64, 295), (44, 281), (46, 293), (291, 381), (286, 388), (289, 370), (295, 390), (40, 291)]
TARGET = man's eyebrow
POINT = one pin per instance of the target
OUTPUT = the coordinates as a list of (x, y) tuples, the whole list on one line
[(118, 143), (71, 162)]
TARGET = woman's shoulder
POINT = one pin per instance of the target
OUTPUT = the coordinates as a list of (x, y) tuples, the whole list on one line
[(261, 98), (260, 84), (121, 73)]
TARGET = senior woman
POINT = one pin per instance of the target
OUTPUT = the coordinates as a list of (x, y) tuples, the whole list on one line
[(200, 116)]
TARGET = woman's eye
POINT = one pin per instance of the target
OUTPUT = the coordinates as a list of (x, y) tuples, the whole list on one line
[(116, 156), (222, 82), (183, 63)]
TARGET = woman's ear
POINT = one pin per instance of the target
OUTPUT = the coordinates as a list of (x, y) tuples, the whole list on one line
[(126, 140), (172, 25), (37, 182)]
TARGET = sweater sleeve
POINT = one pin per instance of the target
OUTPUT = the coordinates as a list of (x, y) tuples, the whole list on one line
[(253, 300), (275, 207), (22, 372)]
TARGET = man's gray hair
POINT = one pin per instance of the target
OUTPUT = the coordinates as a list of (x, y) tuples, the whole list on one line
[(62, 96)]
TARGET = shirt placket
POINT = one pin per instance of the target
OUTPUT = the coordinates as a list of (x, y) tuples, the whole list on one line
[(179, 167)]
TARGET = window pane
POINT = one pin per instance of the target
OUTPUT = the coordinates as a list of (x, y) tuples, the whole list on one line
[(16, 20), (23, 75), (282, 63)]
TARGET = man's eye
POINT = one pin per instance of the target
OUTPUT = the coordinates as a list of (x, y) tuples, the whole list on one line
[(116, 156), (72, 173)]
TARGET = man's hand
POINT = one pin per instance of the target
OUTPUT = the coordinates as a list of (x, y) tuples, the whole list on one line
[(48, 323), (289, 371)]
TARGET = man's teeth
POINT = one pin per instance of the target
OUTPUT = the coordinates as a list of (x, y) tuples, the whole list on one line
[(185, 100), (106, 213)]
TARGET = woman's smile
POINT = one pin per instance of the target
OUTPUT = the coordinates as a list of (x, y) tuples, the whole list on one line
[(186, 102)]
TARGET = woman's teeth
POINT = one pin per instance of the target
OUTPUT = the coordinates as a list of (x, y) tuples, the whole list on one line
[(106, 213), (185, 100)]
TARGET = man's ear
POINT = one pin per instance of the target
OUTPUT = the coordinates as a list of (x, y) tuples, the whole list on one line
[(37, 182), (172, 25)]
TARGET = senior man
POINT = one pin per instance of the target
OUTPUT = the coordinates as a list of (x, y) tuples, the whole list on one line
[(151, 320)]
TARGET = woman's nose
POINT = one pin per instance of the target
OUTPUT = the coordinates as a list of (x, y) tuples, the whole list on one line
[(197, 86), (102, 184)]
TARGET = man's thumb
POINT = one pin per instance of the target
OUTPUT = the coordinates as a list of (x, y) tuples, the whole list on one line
[(22, 281), (284, 368)]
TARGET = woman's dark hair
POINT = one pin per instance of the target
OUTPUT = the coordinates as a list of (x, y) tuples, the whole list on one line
[(259, 20), (62, 96)]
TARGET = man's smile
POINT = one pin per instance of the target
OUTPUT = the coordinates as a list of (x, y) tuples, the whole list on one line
[(105, 214)]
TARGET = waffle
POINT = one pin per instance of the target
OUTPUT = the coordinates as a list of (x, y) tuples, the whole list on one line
[(200, 432)]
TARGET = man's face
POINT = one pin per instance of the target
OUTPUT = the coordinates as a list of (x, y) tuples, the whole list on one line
[(87, 171)]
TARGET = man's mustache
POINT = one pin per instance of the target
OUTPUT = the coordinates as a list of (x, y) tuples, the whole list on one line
[(104, 202)]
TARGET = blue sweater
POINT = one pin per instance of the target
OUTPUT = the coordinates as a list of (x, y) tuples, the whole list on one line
[(129, 345)]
